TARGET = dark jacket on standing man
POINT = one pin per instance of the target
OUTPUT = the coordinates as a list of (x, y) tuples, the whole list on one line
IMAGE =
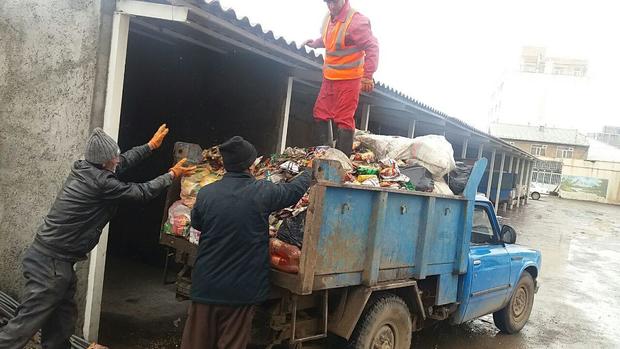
[(232, 266)]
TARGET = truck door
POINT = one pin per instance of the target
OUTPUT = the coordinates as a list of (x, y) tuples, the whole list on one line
[(489, 265)]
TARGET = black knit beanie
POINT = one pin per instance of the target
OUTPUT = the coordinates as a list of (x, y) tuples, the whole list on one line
[(238, 154)]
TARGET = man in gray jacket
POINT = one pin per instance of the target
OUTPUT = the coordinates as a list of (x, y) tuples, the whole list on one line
[(71, 229)]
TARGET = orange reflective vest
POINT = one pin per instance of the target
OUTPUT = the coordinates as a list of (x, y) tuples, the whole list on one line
[(342, 62)]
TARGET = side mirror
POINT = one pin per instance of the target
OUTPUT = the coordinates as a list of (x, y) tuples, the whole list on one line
[(508, 234)]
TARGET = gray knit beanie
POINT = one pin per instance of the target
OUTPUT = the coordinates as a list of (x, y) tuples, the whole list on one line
[(100, 147)]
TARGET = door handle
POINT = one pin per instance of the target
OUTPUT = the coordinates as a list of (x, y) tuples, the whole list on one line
[(477, 262)]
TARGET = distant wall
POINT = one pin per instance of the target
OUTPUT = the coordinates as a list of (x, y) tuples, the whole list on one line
[(591, 180)]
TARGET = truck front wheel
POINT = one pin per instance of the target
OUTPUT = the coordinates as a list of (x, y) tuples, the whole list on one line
[(513, 317), (385, 324)]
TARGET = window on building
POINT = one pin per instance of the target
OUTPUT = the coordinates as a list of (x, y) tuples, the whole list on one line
[(538, 150), (564, 152), (546, 177)]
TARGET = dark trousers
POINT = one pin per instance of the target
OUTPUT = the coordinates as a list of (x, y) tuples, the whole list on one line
[(211, 326), (48, 304)]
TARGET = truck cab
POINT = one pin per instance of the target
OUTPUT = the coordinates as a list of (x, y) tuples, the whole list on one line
[(501, 276)]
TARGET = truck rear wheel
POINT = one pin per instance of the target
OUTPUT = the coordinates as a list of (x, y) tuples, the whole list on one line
[(385, 324), (514, 316)]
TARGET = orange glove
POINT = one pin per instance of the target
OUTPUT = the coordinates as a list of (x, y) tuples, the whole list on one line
[(158, 137), (179, 170), (368, 85)]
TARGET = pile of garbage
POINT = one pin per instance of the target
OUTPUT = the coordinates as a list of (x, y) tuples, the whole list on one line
[(423, 164)]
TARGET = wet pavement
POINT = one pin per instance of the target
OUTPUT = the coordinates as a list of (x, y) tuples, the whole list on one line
[(578, 304)]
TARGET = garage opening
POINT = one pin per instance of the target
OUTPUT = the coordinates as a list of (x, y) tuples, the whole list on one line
[(206, 94)]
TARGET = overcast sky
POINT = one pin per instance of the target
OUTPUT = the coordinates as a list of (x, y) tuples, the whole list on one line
[(452, 54)]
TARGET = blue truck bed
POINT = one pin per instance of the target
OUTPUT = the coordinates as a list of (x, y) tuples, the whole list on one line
[(357, 235)]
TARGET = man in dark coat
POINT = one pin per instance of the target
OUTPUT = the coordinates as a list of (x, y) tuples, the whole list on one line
[(231, 272), (71, 229)]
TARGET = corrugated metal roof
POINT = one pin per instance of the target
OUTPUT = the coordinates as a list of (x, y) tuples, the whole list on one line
[(538, 134), (215, 8)]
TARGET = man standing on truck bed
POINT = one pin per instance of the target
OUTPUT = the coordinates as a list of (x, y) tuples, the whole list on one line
[(351, 59), (71, 229), (231, 272)]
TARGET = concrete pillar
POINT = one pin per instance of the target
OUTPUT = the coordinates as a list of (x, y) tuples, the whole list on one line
[(499, 181), (516, 173), (491, 170), (411, 131), (365, 117), (480, 150), (464, 151)]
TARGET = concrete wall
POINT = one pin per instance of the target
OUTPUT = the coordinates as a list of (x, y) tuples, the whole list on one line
[(50, 86), (609, 171)]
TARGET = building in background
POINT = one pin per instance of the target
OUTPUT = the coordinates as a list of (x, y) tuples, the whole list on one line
[(568, 162), (610, 135), (544, 90), (550, 145)]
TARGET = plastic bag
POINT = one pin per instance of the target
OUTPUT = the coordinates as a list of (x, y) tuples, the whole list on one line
[(284, 257), (435, 153), (192, 184), (457, 179), (291, 230), (441, 187), (179, 217), (337, 155), (194, 236), (420, 178), (392, 147)]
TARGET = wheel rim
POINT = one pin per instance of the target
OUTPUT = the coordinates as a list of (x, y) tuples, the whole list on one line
[(385, 338), (519, 304)]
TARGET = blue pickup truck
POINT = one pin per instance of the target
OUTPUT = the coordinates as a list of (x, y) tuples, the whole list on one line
[(379, 264)]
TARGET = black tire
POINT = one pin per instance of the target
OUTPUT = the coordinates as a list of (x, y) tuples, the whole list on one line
[(535, 195), (515, 314), (386, 323)]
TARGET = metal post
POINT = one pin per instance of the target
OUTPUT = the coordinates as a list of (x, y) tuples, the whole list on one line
[(509, 171), (285, 116), (365, 117), (521, 173), (464, 150), (528, 180), (499, 181), (515, 173), (491, 170), (411, 132), (480, 150)]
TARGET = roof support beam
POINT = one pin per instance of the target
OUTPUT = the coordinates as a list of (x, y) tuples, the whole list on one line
[(152, 10), (175, 35)]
